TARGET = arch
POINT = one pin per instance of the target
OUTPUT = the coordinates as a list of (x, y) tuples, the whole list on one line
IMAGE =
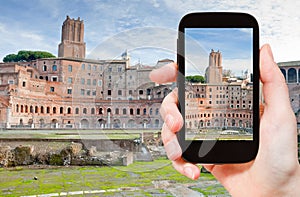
[(144, 111), (108, 110), (17, 108), (30, 121), (42, 122), (54, 110), (101, 123), (117, 111), (54, 123), (84, 111), (292, 75), (124, 111), (21, 122), (54, 68), (76, 110), (233, 122), (84, 123), (36, 110), (138, 111), (151, 111), (117, 123), (217, 123), (26, 108), (92, 110), (131, 123), (61, 110), (100, 110), (156, 123), (283, 72), (31, 109), (131, 111), (22, 108), (201, 124), (48, 110), (42, 109), (69, 110), (240, 123)]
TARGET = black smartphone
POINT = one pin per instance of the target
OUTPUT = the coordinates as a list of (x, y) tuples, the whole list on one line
[(218, 87)]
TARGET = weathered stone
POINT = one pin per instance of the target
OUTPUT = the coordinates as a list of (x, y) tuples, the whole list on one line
[(6, 156), (23, 155)]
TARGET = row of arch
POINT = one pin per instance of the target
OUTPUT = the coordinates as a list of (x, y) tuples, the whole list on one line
[(100, 123), (291, 75), (101, 111), (225, 115), (218, 123)]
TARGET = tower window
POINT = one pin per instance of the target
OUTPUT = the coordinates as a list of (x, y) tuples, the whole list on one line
[(70, 68)]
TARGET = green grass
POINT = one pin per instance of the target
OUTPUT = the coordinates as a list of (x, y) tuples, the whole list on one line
[(15, 182)]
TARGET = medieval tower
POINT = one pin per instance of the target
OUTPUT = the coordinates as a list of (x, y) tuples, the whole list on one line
[(72, 44), (213, 73)]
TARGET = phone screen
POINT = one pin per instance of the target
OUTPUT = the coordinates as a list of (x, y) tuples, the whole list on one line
[(218, 83)]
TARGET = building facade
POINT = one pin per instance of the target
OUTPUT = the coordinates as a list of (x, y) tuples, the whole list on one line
[(220, 103), (73, 92)]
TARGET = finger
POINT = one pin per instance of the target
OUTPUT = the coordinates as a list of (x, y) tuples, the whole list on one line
[(275, 90), (164, 74), (188, 169), (170, 113), (171, 143)]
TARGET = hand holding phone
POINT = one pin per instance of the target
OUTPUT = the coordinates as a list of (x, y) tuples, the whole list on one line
[(218, 87)]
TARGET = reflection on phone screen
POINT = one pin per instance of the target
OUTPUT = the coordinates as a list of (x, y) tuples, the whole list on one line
[(219, 83)]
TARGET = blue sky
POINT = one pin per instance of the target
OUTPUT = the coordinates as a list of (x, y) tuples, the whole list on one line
[(235, 45), (137, 25)]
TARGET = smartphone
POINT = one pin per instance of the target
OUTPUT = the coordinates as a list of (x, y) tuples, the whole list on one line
[(218, 87)]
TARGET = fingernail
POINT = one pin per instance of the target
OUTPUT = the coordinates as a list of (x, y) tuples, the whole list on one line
[(173, 149), (170, 121), (188, 171)]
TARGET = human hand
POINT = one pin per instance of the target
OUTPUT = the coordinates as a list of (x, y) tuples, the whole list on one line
[(275, 171)]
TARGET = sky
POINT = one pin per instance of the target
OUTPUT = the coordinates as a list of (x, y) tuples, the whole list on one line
[(147, 29), (235, 45)]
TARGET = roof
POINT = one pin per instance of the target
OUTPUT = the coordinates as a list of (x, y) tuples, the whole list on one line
[(290, 63)]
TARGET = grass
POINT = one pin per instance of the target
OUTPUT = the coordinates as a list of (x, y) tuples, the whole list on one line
[(19, 181)]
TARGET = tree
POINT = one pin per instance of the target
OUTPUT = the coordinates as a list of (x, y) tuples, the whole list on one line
[(27, 56), (195, 79)]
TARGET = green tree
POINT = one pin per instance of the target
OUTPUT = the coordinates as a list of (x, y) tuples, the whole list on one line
[(195, 79), (27, 56)]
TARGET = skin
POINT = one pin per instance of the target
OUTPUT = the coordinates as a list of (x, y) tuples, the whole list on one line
[(275, 171)]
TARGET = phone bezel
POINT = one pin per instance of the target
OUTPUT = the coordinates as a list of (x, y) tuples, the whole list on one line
[(233, 151)]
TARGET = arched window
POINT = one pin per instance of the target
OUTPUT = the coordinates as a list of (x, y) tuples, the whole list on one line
[(131, 111), (26, 109), (54, 68), (36, 110), (48, 110), (157, 111), (77, 110), (117, 111), (31, 109), (42, 109), (69, 111), (124, 111), (93, 111), (151, 111), (283, 72), (61, 110), (108, 110), (100, 110), (17, 108), (138, 111), (292, 75), (54, 110), (144, 111), (44, 68), (84, 111)]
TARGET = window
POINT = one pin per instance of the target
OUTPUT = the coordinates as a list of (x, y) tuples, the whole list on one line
[(151, 111), (61, 110), (42, 109), (70, 68), (77, 110), (124, 111), (24, 84), (54, 68), (54, 110), (89, 67), (88, 92), (100, 83), (117, 111), (144, 111), (69, 110), (109, 69), (93, 111), (94, 82), (44, 68), (120, 92), (82, 81), (54, 78), (48, 110), (138, 111), (157, 111), (130, 92), (10, 81), (94, 67), (100, 111), (94, 93), (120, 69), (69, 91), (82, 66), (109, 92), (82, 91), (131, 111), (70, 80), (141, 92), (88, 81), (84, 111), (51, 89)]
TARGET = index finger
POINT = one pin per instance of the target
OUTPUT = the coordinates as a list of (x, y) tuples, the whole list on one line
[(164, 74)]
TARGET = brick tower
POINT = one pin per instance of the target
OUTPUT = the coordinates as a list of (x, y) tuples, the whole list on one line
[(213, 73), (72, 43)]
